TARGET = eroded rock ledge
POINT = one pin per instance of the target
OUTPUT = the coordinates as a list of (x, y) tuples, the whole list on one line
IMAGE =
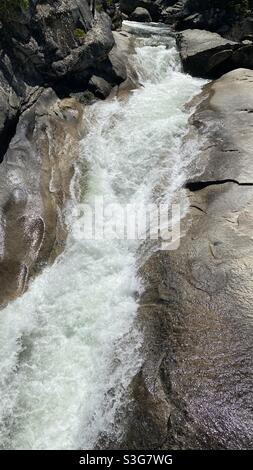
[(35, 179), (209, 55), (195, 388)]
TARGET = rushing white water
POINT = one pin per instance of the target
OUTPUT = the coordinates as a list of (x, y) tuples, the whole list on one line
[(70, 346)]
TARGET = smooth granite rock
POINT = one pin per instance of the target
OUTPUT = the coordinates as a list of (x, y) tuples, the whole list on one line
[(197, 306), (35, 178)]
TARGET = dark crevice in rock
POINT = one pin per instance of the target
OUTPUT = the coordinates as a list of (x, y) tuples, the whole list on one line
[(7, 134), (198, 185), (198, 208), (64, 88)]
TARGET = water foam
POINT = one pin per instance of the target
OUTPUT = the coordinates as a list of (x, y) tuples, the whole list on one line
[(69, 346)]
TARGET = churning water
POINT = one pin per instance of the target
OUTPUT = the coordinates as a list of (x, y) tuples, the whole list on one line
[(70, 345)]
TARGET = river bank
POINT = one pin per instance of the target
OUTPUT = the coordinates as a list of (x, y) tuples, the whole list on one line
[(196, 309), (76, 324), (117, 343)]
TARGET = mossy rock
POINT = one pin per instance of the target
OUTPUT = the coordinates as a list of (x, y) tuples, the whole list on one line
[(79, 33)]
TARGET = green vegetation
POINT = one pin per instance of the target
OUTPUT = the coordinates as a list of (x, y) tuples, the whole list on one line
[(79, 33), (99, 8), (10, 7), (102, 5)]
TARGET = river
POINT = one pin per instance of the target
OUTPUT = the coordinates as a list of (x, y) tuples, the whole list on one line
[(70, 346)]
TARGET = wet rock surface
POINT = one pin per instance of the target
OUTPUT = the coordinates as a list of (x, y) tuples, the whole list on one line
[(196, 310), (35, 178)]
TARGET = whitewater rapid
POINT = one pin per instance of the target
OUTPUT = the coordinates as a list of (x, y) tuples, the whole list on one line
[(70, 346)]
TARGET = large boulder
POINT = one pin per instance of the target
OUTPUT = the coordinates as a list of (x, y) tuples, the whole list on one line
[(171, 10), (124, 50), (56, 43), (209, 55), (112, 8), (196, 309), (222, 16), (141, 14), (112, 70), (35, 178), (99, 87), (153, 7)]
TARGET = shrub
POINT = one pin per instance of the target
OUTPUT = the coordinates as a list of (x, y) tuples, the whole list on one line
[(10, 7), (99, 8), (79, 33)]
